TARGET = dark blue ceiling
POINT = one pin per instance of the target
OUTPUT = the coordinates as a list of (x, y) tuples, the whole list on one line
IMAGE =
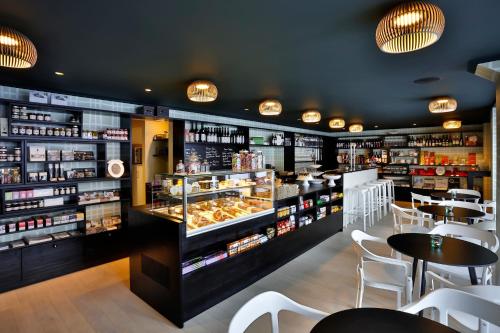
[(309, 54)]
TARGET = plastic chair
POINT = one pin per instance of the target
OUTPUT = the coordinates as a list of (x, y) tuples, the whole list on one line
[(490, 293), (490, 210), (470, 234), (380, 272), (447, 301), (269, 302), (405, 220)]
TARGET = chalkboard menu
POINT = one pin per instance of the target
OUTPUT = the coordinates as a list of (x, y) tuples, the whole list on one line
[(218, 157)]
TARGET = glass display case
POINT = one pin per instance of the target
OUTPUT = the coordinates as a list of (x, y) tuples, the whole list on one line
[(213, 200)]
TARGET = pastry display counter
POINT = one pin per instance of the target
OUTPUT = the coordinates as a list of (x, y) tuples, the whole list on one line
[(214, 200), (199, 243)]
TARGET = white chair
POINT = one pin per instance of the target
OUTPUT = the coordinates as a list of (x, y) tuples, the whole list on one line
[(380, 272), (422, 200), (490, 210), (358, 202), (447, 300), (269, 302), (466, 191), (470, 234), (490, 293), (405, 220)]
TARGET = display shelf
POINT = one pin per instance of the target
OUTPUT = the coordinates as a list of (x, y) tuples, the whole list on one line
[(308, 146), (263, 246), (202, 193), (216, 144), (269, 146), (307, 209), (102, 202), (77, 180), (10, 163), (35, 211), (444, 165), (62, 139), (40, 228), (39, 198), (42, 122), (73, 161)]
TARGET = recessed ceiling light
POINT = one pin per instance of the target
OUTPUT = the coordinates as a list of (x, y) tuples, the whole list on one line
[(376, 126), (425, 80), (414, 124), (59, 73), (246, 109), (148, 90)]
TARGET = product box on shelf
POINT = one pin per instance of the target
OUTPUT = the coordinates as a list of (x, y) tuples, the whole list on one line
[(193, 264)]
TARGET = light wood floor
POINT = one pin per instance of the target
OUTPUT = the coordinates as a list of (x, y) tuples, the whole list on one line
[(99, 299)]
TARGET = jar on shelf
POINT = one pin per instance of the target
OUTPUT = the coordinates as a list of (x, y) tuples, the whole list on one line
[(40, 117), (43, 130), (50, 131), (36, 130), (56, 131), (22, 130), (29, 130), (17, 151), (15, 129), (23, 115), (68, 131), (15, 112), (74, 131), (47, 117), (32, 116)]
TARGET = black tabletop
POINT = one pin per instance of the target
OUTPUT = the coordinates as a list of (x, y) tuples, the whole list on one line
[(455, 252), (449, 196), (458, 212), (368, 320)]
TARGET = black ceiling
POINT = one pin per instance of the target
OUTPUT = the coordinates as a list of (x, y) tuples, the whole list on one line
[(309, 54)]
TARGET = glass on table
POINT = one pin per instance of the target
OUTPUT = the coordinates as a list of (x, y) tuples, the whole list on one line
[(436, 241)]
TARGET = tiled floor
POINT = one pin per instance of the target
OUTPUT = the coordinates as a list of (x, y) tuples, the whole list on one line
[(99, 299)]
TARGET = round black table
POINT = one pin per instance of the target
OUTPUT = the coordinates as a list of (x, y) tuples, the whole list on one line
[(453, 251), (458, 212), (449, 196), (377, 320)]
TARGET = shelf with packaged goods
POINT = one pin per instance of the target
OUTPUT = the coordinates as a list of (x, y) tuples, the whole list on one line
[(63, 139), (76, 180), (39, 228), (72, 161), (48, 123), (35, 211), (39, 198)]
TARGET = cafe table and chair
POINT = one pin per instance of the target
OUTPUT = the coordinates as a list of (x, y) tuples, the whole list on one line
[(451, 251)]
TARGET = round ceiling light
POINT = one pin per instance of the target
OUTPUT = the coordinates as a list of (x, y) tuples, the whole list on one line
[(337, 123), (443, 105), (356, 128), (16, 50), (452, 124), (270, 107), (202, 91), (409, 27), (311, 116)]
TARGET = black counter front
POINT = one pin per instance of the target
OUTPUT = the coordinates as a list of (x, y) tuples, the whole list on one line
[(156, 266)]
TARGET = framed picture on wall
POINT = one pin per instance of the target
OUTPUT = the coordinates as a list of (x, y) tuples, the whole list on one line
[(137, 154)]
